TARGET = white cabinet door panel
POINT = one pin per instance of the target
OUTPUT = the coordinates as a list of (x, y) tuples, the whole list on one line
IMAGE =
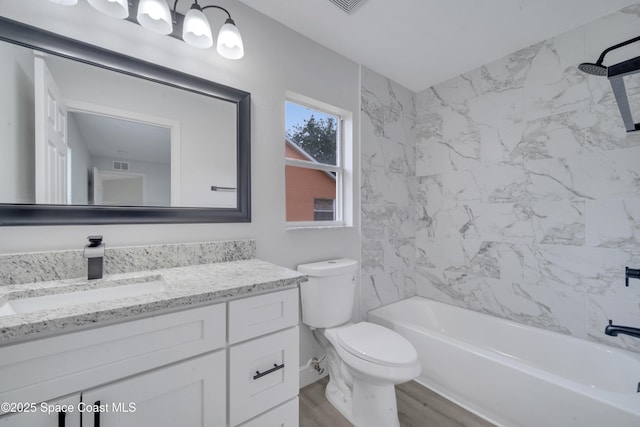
[(262, 373), (187, 394)]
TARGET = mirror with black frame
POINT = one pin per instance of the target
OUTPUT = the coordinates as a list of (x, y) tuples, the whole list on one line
[(96, 137)]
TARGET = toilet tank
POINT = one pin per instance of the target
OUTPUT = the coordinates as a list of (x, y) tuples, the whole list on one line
[(327, 298)]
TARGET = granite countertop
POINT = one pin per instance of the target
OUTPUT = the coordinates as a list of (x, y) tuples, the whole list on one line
[(184, 286)]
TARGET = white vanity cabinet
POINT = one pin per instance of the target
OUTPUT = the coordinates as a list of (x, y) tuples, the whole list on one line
[(53, 415), (212, 366)]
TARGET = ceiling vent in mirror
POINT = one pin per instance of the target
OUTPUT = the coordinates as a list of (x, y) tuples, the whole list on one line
[(120, 166), (348, 6)]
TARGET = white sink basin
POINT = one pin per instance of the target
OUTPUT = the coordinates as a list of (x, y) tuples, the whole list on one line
[(66, 298)]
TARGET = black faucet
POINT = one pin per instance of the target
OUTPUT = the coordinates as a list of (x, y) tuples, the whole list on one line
[(632, 273), (94, 252), (614, 330)]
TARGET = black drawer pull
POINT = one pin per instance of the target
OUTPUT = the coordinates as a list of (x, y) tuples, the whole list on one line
[(96, 415), (61, 418), (276, 367)]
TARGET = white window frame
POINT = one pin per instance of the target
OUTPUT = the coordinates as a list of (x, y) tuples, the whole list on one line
[(343, 168)]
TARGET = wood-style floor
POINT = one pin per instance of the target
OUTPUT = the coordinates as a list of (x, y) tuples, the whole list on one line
[(417, 407)]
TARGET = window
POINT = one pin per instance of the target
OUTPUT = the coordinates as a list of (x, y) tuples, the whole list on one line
[(315, 166), (324, 210)]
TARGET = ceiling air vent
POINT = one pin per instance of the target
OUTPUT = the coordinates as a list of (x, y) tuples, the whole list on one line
[(347, 6), (120, 166)]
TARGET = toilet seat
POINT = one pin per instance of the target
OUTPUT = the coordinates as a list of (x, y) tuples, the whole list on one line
[(377, 344)]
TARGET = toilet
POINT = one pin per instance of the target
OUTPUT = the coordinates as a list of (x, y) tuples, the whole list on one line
[(365, 360)]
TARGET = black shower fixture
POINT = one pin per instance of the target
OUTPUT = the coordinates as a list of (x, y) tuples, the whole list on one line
[(615, 74)]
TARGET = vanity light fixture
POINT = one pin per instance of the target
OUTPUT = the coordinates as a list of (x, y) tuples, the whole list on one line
[(193, 28), (65, 2), (154, 15), (115, 8), (196, 31)]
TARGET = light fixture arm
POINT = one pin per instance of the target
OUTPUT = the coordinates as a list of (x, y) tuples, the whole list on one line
[(218, 7), (195, 5)]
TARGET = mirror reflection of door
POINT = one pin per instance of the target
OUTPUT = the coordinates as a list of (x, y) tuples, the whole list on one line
[(118, 161), (117, 188), (50, 137)]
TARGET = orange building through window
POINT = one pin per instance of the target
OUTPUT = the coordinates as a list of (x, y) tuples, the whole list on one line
[(307, 189)]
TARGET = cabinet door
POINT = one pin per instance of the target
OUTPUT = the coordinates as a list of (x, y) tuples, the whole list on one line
[(49, 417), (187, 394)]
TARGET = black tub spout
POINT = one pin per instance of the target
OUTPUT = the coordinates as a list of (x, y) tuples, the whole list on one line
[(614, 330)]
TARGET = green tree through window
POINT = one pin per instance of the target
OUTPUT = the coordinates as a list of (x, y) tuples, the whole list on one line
[(317, 137)]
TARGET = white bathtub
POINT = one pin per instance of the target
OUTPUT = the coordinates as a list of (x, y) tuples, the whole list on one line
[(516, 375)]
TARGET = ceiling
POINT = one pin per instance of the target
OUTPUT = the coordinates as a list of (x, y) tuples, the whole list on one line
[(420, 43), (119, 139)]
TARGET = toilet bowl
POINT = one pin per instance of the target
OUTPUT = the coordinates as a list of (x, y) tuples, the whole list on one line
[(376, 351), (365, 360)]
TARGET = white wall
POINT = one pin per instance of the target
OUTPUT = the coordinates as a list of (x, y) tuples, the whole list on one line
[(17, 159), (277, 59)]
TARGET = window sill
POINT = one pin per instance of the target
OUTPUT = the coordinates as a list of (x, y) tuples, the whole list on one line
[(292, 226)]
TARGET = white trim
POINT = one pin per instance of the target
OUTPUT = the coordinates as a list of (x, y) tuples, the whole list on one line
[(172, 125), (311, 165), (313, 104), (344, 168), (300, 225)]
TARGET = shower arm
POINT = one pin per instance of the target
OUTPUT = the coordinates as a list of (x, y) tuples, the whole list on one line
[(614, 47)]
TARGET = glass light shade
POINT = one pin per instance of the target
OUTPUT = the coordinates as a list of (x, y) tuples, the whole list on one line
[(115, 8), (65, 2), (196, 30), (154, 15), (230, 41)]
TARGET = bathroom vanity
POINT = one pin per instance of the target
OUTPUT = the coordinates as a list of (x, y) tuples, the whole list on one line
[(202, 345)]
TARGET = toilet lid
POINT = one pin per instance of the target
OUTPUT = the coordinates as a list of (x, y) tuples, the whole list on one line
[(377, 344)]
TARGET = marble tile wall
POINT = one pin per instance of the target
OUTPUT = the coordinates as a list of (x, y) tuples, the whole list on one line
[(528, 188), (43, 266), (388, 191)]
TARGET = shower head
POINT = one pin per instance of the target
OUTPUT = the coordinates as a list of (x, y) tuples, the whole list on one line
[(616, 73), (598, 69), (593, 69)]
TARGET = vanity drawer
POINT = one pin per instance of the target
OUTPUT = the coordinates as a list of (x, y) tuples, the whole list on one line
[(285, 415), (255, 316), (49, 367), (262, 374)]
